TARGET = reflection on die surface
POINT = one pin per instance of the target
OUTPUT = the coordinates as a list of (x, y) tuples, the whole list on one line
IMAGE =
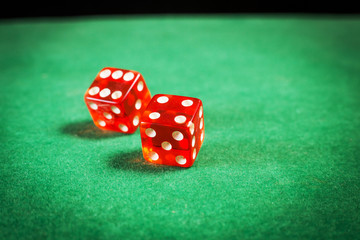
[(172, 130), (117, 98)]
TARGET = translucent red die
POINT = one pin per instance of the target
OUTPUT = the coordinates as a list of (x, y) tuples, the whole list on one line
[(117, 98), (172, 130)]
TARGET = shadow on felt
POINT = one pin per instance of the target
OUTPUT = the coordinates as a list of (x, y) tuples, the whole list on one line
[(134, 161), (87, 129)]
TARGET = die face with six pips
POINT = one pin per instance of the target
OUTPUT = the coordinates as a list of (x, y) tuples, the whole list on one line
[(116, 99), (172, 130)]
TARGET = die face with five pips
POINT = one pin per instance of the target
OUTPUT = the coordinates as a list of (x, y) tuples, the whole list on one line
[(117, 98), (172, 130)]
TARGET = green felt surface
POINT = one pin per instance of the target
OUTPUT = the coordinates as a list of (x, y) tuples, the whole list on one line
[(281, 157)]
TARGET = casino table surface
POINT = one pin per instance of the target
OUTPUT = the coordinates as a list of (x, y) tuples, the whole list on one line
[(281, 155)]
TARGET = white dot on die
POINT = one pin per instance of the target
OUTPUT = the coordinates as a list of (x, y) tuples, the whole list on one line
[(166, 145), (115, 109), (123, 128), (201, 123), (140, 86), (187, 103), (154, 115), (116, 94), (136, 121), (153, 156), (117, 74), (193, 141), (102, 123), (180, 119), (128, 76), (94, 90), (105, 92), (200, 112), (162, 99), (93, 106), (105, 73), (202, 136), (150, 132), (138, 104), (191, 127), (107, 115), (178, 136), (194, 154), (180, 160)]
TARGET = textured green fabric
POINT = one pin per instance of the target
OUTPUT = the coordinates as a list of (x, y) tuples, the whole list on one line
[(281, 157)]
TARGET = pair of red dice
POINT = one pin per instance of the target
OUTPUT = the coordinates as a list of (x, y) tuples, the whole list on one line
[(171, 127)]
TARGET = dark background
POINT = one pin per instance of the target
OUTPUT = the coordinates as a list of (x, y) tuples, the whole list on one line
[(14, 9)]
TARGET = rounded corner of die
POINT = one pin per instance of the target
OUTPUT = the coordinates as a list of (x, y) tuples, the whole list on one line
[(107, 67), (156, 96), (87, 99), (142, 124), (187, 166)]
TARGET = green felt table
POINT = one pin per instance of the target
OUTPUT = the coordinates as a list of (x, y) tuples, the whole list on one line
[(281, 156)]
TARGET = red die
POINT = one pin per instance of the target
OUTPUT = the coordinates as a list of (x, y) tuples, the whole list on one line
[(172, 130), (117, 98)]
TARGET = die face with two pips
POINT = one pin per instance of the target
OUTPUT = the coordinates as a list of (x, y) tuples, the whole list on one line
[(172, 130), (117, 99)]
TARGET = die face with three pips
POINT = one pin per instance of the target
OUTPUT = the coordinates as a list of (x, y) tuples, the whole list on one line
[(171, 127), (116, 99)]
